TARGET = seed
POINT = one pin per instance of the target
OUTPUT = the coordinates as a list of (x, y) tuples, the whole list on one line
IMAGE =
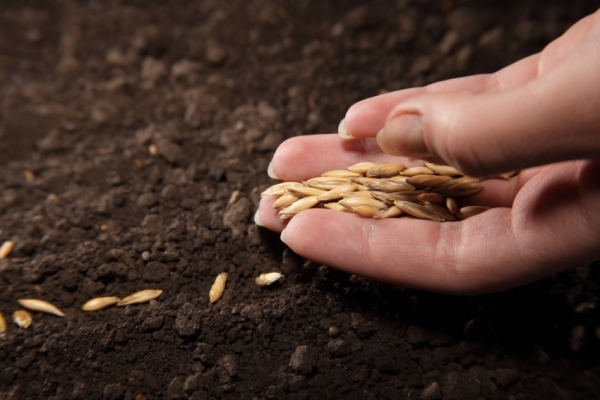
[(417, 210), (414, 171), (431, 197), (428, 180), (327, 183), (390, 186), (441, 211), (340, 173), (466, 189), (398, 178), (403, 196), (267, 278), (443, 169), (279, 188), (385, 170), (153, 150), (285, 200), (142, 296), (360, 193), (364, 180), (362, 201), (458, 181), (99, 303), (41, 305), (299, 205), (22, 318), (366, 211), (470, 211), (337, 193), (451, 205), (2, 326), (391, 212), (234, 196), (362, 167), (217, 289), (336, 207), (305, 191), (6, 248)]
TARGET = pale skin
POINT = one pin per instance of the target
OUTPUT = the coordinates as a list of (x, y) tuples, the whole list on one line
[(540, 115)]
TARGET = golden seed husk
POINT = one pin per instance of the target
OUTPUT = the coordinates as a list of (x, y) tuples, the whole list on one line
[(341, 173), (267, 278), (391, 212), (428, 180), (3, 327), (414, 171), (443, 169), (441, 211), (470, 211), (337, 207), (336, 193), (418, 210), (366, 211), (360, 193), (285, 200), (142, 296), (279, 188), (451, 205), (6, 248), (305, 191), (431, 197), (385, 170), (300, 205), (41, 305), (100, 303), (388, 186), (362, 167), (362, 201), (217, 289), (22, 318)]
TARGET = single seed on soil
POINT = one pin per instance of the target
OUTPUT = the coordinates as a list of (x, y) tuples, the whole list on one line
[(340, 173), (285, 200), (470, 211), (417, 210), (142, 296), (99, 303), (234, 196), (41, 305), (443, 169), (337, 193), (414, 171), (2, 326), (267, 278), (153, 150), (22, 318), (385, 170), (6, 248), (362, 201), (217, 289)]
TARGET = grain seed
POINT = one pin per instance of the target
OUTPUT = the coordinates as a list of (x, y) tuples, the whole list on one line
[(285, 200), (441, 211), (279, 188), (3, 326), (451, 205), (360, 193), (446, 170), (389, 186), (428, 180), (337, 193), (142, 296), (100, 303), (463, 180), (299, 205), (362, 201), (305, 191), (417, 210), (385, 170), (470, 211), (327, 183), (217, 289), (431, 197), (337, 207), (267, 278), (41, 305), (22, 318), (463, 190), (340, 173), (366, 211), (362, 167), (6, 248), (414, 171), (234, 196), (391, 212)]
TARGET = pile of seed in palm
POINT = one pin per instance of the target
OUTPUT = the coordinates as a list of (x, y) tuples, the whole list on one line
[(383, 191)]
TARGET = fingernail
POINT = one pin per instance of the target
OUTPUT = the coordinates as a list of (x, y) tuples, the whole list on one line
[(271, 172), (343, 132), (282, 236), (403, 135), (257, 220)]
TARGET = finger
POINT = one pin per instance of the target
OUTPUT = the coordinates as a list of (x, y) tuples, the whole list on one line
[(266, 216)]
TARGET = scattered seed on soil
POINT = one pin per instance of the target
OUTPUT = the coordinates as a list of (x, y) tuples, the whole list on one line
[(41, 306), (6, 248), (100, 303), (22, 318), (143, 296), (217, 289), (2, 326), (267, 278), (234, 196)]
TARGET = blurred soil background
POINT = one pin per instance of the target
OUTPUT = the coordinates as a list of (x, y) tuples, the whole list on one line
[(127, 126)]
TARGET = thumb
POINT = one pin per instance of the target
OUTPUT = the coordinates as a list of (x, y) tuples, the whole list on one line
[(551, 118)]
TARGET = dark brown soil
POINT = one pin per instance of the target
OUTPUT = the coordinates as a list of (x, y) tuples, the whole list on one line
[(87, 86)]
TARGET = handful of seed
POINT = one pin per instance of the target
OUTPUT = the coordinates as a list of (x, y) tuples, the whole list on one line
[(382, 191)]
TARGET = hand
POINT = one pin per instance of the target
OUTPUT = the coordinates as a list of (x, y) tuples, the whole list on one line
[(540, 110)]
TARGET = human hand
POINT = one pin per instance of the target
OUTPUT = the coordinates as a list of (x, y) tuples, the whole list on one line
[(540, 110)]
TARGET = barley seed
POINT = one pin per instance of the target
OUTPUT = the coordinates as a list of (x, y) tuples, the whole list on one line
[(336, 193), (362, 201), (297, 206), (341, 173), (431, 197), (443, 169), (389, 186), (470, 211), (414, 171), (100, 303), (428, 180), (3, 327), (22, 318), (385, 170), (337, 207), (217, 289), (267, 278), (391, 212), (366, 211), (6, 248), (362, 167), (418, 210), (41, 305), (451, 205), (305, 191), (142, 296), (285, 201)]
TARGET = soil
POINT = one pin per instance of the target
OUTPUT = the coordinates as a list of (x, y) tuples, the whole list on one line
[(127, 126)]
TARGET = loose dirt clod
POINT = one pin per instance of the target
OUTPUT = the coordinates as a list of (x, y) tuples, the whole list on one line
[(143, 296), (41, 305), (22, 318), (6, 248), (217, 289), (267, 278), (100, 303)]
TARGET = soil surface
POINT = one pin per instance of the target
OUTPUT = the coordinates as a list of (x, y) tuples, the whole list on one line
[(128, 128)]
